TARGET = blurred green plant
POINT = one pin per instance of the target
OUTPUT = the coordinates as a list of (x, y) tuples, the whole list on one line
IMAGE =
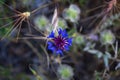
[(2, 1), (42, 23), (82, 2), (27, 2), (62, 23), (79, 40), (106, 56), (112, 20), (98, 53), (4, 71), (107, 37), (72, 13), (4, 21), (65, 72), (6, 74), (38, 77), (97, 76)]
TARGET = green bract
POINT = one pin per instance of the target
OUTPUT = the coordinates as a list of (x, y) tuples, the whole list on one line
[(107, 37), (41, 22), (72, 13), (65, 72), (79, 39), (62, 23)]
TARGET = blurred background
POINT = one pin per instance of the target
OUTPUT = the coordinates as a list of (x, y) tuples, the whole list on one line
[(94, 26)]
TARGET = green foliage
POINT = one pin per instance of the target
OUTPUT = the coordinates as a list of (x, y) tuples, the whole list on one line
[(3, 32), (112, 20), (4, 71), (2, 2), (82, 2), (38, 77), (5, 23), (97, 76)]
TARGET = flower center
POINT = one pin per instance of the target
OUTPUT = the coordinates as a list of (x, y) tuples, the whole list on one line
[(60, 42)]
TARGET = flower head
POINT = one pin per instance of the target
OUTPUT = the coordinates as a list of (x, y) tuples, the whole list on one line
[(72, 13), (65, 72), (42, 22), (107, 37), (59, 43)]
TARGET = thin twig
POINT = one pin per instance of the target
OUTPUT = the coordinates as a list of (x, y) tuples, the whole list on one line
[(46, 53), (33, 48)]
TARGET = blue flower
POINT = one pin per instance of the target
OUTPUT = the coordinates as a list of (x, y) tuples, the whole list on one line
[(59, 43)]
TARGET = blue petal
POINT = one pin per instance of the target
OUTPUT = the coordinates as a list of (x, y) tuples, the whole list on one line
[(51, 35), (66, 47), (70, 41), (59, 31), (59, 52), (64, 33), (49, 43), (52, 48)]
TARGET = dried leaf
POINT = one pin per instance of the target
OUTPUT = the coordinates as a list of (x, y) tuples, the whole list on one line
[(55, 20)]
